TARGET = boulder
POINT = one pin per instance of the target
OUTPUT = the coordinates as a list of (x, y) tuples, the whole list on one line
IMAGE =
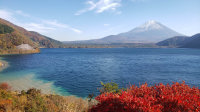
[(25, 47)]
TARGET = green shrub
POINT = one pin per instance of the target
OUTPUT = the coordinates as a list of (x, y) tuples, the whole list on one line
[(109, 88), (5, 29)]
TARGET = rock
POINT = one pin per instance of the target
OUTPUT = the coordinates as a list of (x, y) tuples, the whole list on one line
[(1, 64), (25, 47)]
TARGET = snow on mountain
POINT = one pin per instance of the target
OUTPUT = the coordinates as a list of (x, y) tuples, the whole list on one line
[(150, 25), (149, 32)]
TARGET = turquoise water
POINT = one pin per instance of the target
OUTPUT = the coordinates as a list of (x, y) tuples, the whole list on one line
[(79, 71)]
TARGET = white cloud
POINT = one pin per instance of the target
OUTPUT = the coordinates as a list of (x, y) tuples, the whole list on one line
[(56, 24), (4, 14), (100, 6), (76, 30), (39, 25)]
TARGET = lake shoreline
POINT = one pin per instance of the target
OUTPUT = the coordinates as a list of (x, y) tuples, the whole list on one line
[(3, 64), (19, 51), (17, 83)]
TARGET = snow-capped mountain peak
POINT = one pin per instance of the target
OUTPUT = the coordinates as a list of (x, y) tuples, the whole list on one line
[(149, 32), (150, 25)]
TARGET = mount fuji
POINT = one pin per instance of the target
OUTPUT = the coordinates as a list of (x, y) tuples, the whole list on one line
[(149, 32)]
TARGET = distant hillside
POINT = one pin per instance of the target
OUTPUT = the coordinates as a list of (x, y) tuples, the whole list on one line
[(12, 35), (150, 32), (174, 41), (182, 41), (44, 41), (114, 45), (193, 42)]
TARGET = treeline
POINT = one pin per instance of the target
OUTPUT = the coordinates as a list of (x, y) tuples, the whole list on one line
[(114, 45), (10, 38), (5, 29), (12, 35)]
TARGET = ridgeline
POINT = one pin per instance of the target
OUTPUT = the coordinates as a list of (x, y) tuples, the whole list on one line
[(12, 36)]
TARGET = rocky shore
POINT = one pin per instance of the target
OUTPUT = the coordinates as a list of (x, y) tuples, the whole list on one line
[(19, 51), (3, 65)]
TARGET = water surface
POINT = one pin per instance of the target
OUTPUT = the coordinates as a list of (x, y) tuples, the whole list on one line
[(79, 71)]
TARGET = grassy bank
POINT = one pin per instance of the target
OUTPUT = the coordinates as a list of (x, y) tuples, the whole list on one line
[(33, 100)]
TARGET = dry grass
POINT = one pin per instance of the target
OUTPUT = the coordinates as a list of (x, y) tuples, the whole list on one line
[(34, 101)]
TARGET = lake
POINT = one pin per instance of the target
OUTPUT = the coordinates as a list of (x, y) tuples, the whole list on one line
[(79, 71)]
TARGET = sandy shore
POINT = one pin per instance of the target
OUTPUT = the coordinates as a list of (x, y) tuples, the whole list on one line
[(27, 81)]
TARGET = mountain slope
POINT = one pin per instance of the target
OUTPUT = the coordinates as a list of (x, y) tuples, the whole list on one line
[(174, 41), (182, 41), (150, 32), (193, 42), (10, 36), (21, 36), (44, 41)]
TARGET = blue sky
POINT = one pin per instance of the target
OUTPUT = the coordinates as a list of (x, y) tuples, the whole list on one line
[(67, 20)]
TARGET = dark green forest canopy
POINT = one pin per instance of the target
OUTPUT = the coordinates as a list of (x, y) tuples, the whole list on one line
[(5, 29)]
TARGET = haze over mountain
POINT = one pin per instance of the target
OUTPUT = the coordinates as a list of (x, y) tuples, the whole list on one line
[(149, 32)]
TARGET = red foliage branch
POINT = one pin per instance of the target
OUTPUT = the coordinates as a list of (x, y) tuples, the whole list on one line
[(177, 97), (5, 86)]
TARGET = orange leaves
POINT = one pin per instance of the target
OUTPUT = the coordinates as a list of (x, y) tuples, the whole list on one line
[(177, 97), (5, 102)]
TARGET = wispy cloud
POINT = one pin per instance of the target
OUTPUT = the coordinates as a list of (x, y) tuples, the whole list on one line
[(100, 6), (56, 24), (39, 25), (19, 12), (76, 30), (4, 14), (106, 24)]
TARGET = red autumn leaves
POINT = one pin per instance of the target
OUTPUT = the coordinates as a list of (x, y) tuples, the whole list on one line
[(177, 97), (5, 86)]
